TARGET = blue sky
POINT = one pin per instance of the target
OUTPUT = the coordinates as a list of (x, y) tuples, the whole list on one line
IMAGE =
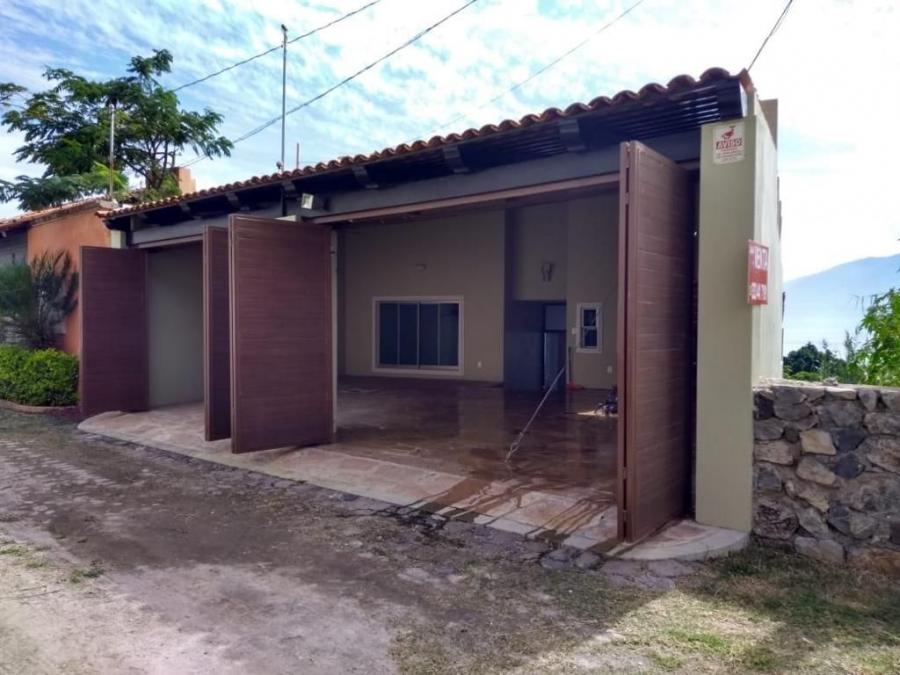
[(831, 65)]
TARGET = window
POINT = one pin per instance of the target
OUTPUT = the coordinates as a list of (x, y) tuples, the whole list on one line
[(590, 326), (417, 334)]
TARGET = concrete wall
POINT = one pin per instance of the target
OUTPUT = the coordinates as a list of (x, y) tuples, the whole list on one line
[(13, 247), (69, 233), (735, 340), (461, 256), (175, 313)]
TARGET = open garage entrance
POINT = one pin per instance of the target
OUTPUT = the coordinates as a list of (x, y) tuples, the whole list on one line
[(409, 348)]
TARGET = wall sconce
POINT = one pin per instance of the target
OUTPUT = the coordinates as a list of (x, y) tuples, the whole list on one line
[(421, 267), (546, 271)]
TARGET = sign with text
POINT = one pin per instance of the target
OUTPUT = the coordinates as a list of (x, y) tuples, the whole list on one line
[(728, 143), (757, 273)]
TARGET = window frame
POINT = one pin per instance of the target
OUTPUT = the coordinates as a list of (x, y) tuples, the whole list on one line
[(413, 371), (598, 327)]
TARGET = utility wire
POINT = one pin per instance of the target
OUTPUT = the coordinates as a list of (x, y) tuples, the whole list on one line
[(540, 71), (771, 33), (278, 47), (346, 80)]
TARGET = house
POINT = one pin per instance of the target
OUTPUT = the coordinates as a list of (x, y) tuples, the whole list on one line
[(417, 302), (67, 228)]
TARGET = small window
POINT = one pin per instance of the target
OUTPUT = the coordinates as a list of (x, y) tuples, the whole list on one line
[(415, 334), (590, 326)]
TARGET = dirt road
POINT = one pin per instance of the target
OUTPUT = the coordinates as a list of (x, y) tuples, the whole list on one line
[(116, 558)]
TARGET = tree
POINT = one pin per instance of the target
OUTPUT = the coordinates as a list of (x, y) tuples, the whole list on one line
[(876, 352), (811, 363), (36, 298), (66, 129)]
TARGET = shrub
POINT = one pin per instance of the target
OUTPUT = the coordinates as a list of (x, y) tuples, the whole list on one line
[(43, 377)]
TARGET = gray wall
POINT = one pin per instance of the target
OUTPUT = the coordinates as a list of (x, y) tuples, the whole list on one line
[(175, 309)]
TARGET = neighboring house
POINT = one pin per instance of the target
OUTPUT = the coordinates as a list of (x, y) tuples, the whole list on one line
[(608, 240), (68, 227)]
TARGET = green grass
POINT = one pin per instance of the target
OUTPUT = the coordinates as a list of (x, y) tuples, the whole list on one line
[(78, 575)]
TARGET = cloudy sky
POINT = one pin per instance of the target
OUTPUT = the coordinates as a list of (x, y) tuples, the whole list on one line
[(832, 64)]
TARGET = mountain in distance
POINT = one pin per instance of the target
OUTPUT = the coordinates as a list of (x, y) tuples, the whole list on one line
[(824, 305)]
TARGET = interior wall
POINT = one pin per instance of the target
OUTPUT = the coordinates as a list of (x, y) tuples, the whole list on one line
[(175, 324), (593, 263), (461, 256), (538, 239)]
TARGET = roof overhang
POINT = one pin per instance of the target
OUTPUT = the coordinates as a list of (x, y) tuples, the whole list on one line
[(683, 105)]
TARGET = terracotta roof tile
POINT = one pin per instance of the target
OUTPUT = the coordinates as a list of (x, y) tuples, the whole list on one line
[(33, 217), (647, 94)]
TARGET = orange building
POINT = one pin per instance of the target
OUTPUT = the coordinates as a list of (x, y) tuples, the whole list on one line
[(67, 227)]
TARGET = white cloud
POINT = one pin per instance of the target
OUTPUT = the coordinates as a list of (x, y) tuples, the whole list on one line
[(831, 65)]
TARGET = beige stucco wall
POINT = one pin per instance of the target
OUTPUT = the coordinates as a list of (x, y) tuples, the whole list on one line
[(767, 319), (175, 314), (736, 342), (538, 235), (455, 256), (464, 255), (593, 277)]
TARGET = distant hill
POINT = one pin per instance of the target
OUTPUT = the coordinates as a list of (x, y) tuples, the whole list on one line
[(824, 305)]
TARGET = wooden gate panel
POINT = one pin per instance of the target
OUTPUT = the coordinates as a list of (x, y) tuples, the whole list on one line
[(281, 342), (114, 359), (216, 335), (655, 326)]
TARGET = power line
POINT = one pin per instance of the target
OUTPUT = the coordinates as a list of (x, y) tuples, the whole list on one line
[(347, 79), (278, 47), (546, 67), (771, 33)]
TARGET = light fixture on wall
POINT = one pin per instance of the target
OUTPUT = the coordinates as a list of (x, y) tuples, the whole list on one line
[(309, 202), (421, 267), (546, 271)]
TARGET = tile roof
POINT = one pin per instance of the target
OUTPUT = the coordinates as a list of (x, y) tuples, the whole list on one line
[(23, 220), (646, 94)]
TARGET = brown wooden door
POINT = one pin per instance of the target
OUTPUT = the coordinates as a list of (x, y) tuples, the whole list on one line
[(281, 377), (655, 340), (114, 359), (216, 335)]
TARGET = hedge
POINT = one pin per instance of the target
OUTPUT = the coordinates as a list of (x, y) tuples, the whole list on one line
[(40, 377)]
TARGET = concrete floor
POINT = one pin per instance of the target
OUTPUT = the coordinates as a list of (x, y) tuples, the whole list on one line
[(439, 446)]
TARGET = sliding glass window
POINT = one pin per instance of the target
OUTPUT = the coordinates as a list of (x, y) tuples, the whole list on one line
[(418, 334)]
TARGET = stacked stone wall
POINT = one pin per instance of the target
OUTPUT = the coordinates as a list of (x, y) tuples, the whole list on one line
[(827, 472)]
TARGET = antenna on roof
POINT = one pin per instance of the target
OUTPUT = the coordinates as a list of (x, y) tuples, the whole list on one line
[(297, 163), (284, 43)]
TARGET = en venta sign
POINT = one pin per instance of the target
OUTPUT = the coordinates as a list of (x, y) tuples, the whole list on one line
[(757, 273)]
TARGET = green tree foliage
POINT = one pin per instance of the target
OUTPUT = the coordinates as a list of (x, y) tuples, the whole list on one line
[(875, 354), (36, 298), (812, 363), (66, 129)]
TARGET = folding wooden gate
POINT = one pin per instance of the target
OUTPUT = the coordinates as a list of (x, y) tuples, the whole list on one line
[(113, 297), (655, 372), (281, 375), (216, 340)]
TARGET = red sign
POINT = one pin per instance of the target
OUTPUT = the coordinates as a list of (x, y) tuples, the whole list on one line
[(757, 273)]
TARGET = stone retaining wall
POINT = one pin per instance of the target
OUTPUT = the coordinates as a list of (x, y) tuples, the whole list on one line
[(827, 472)]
